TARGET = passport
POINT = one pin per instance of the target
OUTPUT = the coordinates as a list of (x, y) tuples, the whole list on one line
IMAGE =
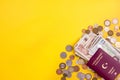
[(105, 65)]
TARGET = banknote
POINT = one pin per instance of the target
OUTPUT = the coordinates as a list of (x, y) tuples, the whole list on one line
[(89, 44)]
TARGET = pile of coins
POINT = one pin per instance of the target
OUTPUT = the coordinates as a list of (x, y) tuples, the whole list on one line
[(68, 67), (73, 65), (112, 29)]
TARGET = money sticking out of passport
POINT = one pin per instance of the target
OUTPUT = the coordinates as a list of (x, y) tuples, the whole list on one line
[(92, 47)]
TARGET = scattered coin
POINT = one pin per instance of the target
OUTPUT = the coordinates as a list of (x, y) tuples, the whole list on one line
[(106, 29), (94, 78), (80, 61), (87, 31), (88, 76), (115, 21), (90, 27), (117, 34), (84, 66), (69, 62), (113, 40), (62, 65), (59, 71), (95, 30), (69, 75), (117, 44), (69, 48), (76, 68), (110, 33), (100, 28), (72, 57), (63, 55), (107, 23), (80, 75), (71, 69), (116, 28), (95, 25), (63, 78)]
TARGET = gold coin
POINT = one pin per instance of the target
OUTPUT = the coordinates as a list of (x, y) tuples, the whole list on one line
[(110, 33), (95, 30)]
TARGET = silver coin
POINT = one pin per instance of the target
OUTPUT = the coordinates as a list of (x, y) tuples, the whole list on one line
[(67, 73), (117, 44), (80, 75), (80, 61), (106, 29), (69, 48), (113, 40), (88, 76), (69, 62), (107, 23), (115, 21), (62, 65), (116, 28), (63, 55), (71, 69)]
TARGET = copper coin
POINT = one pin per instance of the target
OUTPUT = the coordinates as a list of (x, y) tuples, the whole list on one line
[(94, 78), (118, 34), (100, 28), (72, 57), (84, 66), (87, 31), (95, 30), (76, 68), (90, 27), (59, 71), (110, 33), (62, 65), (63, 78), (83, 30)]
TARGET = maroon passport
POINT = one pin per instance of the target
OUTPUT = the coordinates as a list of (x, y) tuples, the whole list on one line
[(104, 65)]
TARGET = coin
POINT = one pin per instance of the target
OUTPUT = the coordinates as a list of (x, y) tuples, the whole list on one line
[(83, 31), (118, 34), (69, 62), (62, 65), (95, 30), (90, 27), (80, 61), (95, 25), (69, 48), (117, 44), (72, 57), (107, 23), (113, 40), (88, 76), (66, 73), (76, 68), (115, 21), (84, 66), (110, 33), (87, 31), (116, 28), (71, 69), (106, 29), (63, 78), (80, 75), (59, 71), (100, 28), (94, 78), (63, 55)]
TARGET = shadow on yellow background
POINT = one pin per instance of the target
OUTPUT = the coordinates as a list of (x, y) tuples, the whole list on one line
[(34, 32)]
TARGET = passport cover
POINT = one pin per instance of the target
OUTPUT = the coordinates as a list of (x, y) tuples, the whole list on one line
[(106, 66)]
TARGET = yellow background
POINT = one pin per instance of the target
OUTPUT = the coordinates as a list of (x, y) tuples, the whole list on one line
[(34, 32)]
